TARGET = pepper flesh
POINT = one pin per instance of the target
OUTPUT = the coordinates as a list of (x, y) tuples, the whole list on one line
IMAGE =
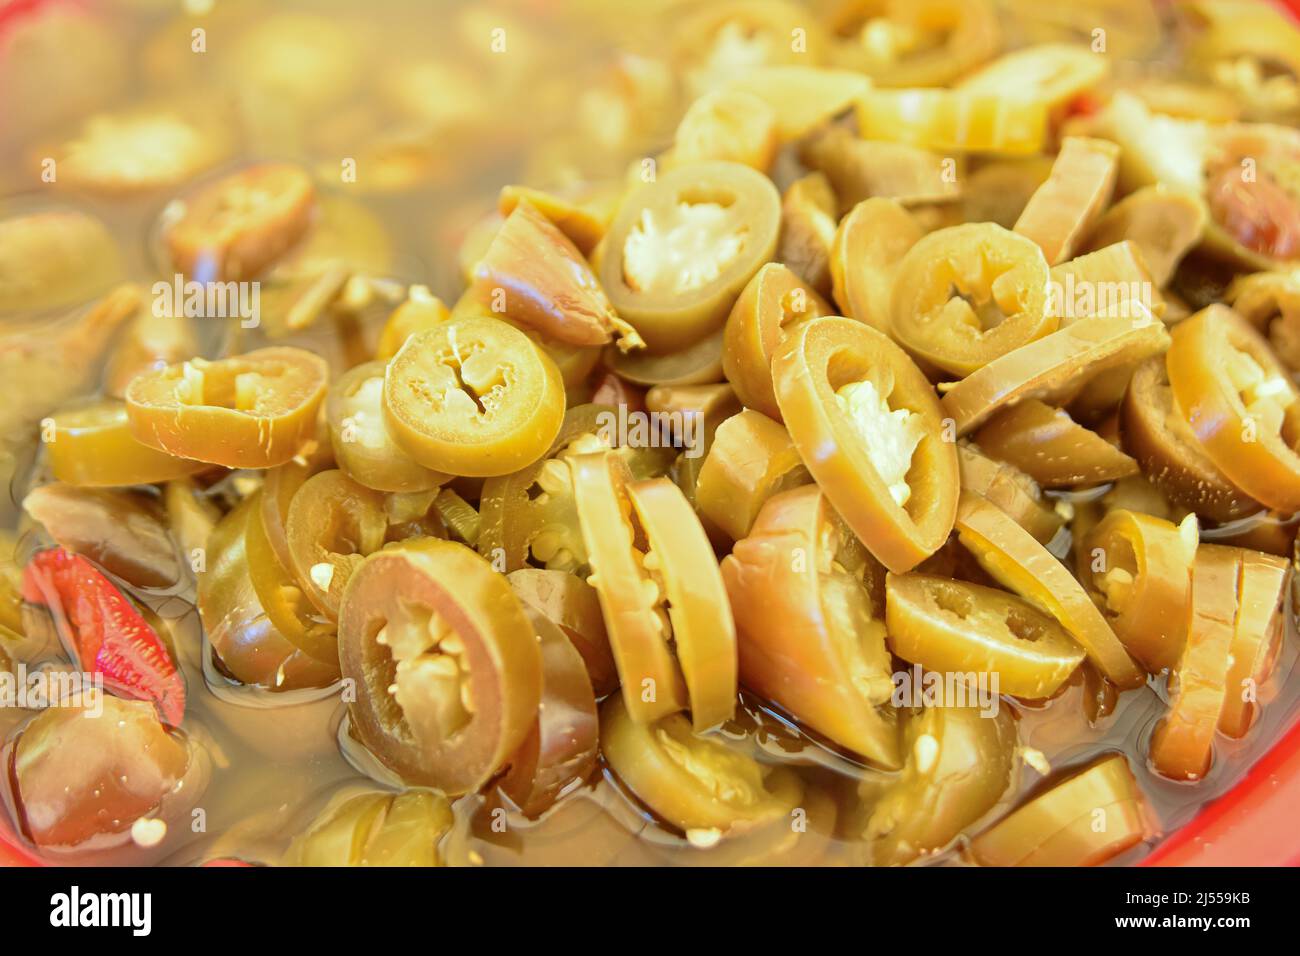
[(104, 631), (543, 282), (80, 784)]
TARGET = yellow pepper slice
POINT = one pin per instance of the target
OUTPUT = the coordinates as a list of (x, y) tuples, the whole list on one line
[(915, 42), (1011, 490), (773, 302), (1051, 447), (1113, 281), (92, 446), (1240, 402), (966, 295), (869, 244), (683, 247), (680, 560), (1138, 569), (629, 598), (696, 783), (957, 628), (363, 447), (331, 525), (1169, 453), (375, 829), (1257, 637), (960, 763), (421, 310), (250, 411), (1049, 74), (473, 397), (1052, 367), (1182, 747), (870, 430), (446, 666), (801, 97), (809, 218), (1163, 222)]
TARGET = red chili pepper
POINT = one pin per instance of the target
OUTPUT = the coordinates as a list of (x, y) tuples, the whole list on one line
[(105, 631)]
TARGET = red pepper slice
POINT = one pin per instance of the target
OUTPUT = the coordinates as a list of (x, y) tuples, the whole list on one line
[(108, 635)]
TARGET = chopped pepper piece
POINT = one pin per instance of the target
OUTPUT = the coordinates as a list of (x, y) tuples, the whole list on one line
[(1051, 447), (810, 635)]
